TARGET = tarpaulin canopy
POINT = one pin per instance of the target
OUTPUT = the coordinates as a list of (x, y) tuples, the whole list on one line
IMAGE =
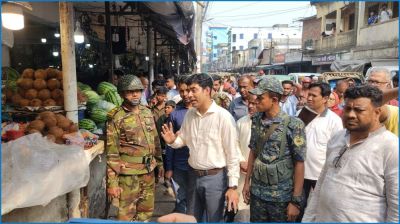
[(178, 15), (349, 65)]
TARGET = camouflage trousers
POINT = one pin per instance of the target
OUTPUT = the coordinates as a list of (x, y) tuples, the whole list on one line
[(137, 198), (267, 211)]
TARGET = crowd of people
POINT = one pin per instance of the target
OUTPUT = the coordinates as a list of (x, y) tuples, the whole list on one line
[(384, 15), (271, 152)]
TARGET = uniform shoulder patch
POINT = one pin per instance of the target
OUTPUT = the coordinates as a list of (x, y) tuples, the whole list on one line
[(112, 113), (145, 110), (298, 141), (295, 123)]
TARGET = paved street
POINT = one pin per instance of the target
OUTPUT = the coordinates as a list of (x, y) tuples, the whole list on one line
[(164, 204)]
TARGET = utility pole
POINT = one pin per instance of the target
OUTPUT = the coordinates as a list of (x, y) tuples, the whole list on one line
[(66, 10), (150, 53), (198, 32)]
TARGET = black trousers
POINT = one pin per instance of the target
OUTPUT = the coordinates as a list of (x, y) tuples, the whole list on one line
[(307, 186)]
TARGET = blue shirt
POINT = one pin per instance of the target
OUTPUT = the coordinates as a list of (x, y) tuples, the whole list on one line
[(172, 93), (289, 106), (177, 158), (238, 109)]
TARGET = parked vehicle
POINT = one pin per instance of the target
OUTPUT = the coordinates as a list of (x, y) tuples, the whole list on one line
[(299, 76), (333, 77)]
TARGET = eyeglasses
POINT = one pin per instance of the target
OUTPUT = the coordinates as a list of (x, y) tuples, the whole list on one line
[(336, 161), (373, 82)]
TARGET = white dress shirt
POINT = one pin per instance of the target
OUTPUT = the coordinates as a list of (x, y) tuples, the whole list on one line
[(363, 187), (212, 141), (244, 134), (318, 133)]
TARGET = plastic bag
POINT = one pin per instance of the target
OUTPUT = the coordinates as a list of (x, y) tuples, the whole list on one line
[(35, 171), (74, 138), (89, 137)]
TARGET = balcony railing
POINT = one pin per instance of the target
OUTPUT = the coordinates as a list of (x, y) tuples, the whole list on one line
[(389, 30), (344, 40)]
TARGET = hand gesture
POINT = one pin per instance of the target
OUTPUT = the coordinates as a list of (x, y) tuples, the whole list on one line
[(243, 167), (168, 174), (160, 172), (292, 212), (168, 134), (114, 192), (232, 198), (246, 193)]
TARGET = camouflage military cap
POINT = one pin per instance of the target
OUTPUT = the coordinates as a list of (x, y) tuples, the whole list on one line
[(129, 82), (268, 83)]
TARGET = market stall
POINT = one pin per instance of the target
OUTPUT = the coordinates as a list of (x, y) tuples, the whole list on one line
[(42, 96), (46, 156)]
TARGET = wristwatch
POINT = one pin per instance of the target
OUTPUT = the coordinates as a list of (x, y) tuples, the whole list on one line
[(233, 187), (296, 200)]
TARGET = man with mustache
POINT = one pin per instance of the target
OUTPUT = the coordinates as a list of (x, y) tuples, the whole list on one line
[(210, 133), (133, 151), (359, 181)]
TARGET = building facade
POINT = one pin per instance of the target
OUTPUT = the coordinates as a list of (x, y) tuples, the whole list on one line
[(345, 34)]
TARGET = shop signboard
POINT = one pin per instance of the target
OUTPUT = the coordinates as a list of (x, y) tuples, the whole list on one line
[(323, 60)]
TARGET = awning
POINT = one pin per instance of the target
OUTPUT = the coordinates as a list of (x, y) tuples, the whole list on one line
[(178, 15), (349, 65)]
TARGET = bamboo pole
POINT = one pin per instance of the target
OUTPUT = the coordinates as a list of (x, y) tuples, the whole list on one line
[(69, 84), (68, 60)]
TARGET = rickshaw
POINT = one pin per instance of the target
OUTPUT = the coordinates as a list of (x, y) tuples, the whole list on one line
[(333, 77)]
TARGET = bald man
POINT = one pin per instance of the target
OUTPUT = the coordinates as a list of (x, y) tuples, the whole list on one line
[(341, 87), (238, 107), (303, 92)]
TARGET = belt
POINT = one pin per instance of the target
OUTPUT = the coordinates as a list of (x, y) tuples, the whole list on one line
[(210, 172), (137, 159)]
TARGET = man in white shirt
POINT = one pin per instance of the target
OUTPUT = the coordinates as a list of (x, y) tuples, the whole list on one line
[(244, 134), (318, 132), (385, 14), (172, 94), (359, 181), (210, 133)]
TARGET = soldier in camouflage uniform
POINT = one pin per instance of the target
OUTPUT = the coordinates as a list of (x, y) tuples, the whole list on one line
[(276, 160), (221, 98), (133, 151)]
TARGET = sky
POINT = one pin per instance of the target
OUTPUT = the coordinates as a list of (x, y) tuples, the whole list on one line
[(256, 13)]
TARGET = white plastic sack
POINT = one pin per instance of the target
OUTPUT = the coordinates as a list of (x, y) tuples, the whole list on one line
[(35, 171)]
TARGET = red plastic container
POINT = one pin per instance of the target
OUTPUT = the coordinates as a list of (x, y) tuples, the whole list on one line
[(13, 134)]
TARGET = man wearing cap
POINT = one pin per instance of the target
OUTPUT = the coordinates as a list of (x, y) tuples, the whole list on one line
[(221, 98), (275, 173), (133, 151)]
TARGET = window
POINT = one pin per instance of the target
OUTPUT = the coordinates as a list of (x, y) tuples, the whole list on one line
[(351, 21), (395, 9), (234, 38), (255, 36), (241, 48), (269, 35), (241, 36), (233, 48), (215, 37), (215, 55)]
